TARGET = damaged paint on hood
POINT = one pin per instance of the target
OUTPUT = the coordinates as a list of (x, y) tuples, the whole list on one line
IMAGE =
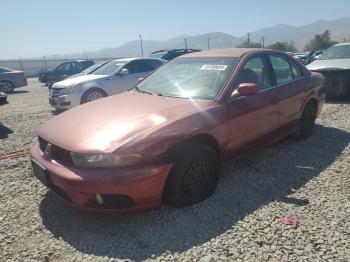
[(104, 125)]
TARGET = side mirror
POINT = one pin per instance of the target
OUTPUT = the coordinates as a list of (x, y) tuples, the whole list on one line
[(245, 89), (124, 71), (140, 79)]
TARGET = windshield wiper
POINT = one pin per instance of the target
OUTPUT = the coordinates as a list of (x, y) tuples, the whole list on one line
[(146, 92)]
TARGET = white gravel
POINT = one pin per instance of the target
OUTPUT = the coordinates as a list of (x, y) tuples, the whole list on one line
[(309, 180)]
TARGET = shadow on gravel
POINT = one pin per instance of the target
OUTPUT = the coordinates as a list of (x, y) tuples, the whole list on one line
[(261, 178), (19, 92), (4, 131), (56, 112)]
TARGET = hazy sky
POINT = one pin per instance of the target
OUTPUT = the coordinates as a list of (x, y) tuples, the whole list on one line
[(45, 27)]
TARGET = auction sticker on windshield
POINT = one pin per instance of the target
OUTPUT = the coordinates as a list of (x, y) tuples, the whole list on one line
[(214, 67)]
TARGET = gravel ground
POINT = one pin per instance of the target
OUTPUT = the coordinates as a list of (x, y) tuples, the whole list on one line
[(308, 180)]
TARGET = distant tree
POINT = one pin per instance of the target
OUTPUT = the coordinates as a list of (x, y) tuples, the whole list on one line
[(247, 44), (283, 46), (320, 42)]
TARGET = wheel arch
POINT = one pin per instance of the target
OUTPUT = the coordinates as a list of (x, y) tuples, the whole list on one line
[(181, 146)]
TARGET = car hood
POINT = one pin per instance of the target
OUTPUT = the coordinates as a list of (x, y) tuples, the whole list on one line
[(104, 125), (329, 64), (77, 80)]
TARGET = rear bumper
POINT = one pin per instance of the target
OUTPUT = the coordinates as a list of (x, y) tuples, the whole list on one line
[(122, 190), (20, 82)]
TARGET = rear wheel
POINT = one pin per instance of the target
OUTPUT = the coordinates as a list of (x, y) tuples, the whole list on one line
[(194, 176), (306, 122), (92, 94), (7, 86)]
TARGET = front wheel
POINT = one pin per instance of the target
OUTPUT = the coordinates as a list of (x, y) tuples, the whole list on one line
[(7, 86), (306, 122), (92, 94), (194, 176)]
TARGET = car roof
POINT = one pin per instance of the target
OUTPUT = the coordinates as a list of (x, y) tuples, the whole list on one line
[(228, 52), (346, 43), (129, 59), (6, 68)]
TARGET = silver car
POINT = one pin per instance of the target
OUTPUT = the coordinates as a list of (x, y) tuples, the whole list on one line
[(334, 64), (112, 78), (11, 79)]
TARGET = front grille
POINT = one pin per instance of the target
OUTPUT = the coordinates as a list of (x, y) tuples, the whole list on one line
[(55, 92), (58, 154), (42, 144), (62, 156)]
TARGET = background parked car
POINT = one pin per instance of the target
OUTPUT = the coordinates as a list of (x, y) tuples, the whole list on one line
[(3, 96), (90, 69), (11, 79), (334, 64), (168, 54), (64, 70), (112, 78), (302, 58)]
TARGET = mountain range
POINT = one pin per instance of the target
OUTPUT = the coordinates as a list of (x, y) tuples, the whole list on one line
[(299, 35)]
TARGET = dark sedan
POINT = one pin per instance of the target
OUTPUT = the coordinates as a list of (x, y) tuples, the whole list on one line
[(11, 79)]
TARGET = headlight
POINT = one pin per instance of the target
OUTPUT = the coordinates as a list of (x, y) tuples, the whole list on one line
[(103, 160), (67, 90)]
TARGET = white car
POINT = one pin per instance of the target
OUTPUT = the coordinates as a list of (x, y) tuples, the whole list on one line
[(112, 78)]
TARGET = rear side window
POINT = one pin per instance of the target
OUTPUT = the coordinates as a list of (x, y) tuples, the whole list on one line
[(155, 64), (297, 73), (282, 70)]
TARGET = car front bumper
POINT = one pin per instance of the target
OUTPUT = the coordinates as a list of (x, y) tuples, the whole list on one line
[(103, 189), (63, 102)]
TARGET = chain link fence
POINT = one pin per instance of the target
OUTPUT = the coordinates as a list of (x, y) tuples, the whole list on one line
[(32, 67)]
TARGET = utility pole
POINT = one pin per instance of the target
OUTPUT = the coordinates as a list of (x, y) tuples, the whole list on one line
[(141, 45), (248, 40), (185, 42), (208, 42), (263, 41)]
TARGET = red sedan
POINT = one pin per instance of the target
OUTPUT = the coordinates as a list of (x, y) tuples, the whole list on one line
[(167, 138)]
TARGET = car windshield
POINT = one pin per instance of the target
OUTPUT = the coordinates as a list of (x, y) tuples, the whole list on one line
[(158, 55), (337, 52), (190, 77), (91, 68), (109, 68)]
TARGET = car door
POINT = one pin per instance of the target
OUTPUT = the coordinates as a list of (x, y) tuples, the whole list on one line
[(288, 78), (253, 116)]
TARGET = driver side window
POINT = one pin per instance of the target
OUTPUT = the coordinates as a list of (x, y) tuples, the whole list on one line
[(256, 71)]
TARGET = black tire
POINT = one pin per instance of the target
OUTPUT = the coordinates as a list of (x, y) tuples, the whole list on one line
[(92, 94), (306, 122), (7, 86), (194, 176)]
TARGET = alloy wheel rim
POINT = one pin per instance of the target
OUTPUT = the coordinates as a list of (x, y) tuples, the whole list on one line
[(7, 86), (94, 96)]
